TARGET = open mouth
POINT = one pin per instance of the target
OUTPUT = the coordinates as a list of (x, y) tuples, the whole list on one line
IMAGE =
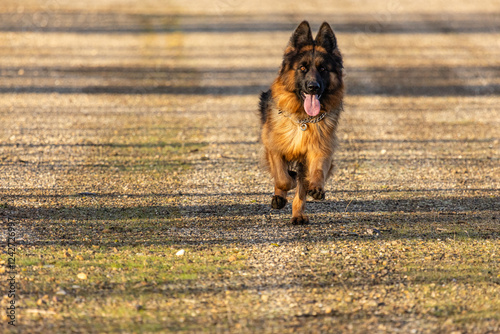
[(312, 106)]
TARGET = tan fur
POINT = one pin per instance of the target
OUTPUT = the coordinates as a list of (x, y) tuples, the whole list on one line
[(284, 142), (283, 135), (296, 158)]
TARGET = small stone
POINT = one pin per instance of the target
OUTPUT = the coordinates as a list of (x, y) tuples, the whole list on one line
[(372, 231), (82, 276), (180, 253)]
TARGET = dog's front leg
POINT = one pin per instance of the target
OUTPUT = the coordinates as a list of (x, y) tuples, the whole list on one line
[(283, 181), (320, 167)]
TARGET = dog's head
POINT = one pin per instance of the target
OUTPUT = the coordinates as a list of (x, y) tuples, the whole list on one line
[(312, 68)]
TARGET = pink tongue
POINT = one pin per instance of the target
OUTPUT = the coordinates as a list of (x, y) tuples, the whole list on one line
[(312, 105)]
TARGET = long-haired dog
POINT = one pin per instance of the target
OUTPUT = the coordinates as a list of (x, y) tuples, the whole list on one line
[(299, 117)]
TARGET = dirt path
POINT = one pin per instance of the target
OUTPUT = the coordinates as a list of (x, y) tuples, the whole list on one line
[(130, 132)]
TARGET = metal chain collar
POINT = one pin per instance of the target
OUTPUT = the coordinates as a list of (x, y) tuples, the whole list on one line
[(303, 122)]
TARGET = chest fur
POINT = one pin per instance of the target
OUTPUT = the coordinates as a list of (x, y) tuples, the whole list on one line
[(285, 137)]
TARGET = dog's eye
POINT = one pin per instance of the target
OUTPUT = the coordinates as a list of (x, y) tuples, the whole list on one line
[(322, 69), (303, 69)]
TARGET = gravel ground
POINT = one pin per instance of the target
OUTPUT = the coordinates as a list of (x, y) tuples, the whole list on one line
[(131, 130)]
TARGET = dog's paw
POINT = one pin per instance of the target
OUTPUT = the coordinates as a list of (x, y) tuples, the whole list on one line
[(300, 220), (278, 202), (317, 193)]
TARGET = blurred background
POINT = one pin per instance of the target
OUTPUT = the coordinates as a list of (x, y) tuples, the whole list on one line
[(393, 47)]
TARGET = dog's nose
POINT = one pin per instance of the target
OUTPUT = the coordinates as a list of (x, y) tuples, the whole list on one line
[(313, 87)]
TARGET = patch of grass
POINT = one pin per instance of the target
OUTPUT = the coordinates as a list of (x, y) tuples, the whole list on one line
[(444, 280), (125, 264), (130, 281)]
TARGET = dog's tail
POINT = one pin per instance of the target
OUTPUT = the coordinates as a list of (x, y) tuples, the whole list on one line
[(265, 99)]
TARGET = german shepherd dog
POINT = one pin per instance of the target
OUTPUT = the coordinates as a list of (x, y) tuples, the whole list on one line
[(299, 117)]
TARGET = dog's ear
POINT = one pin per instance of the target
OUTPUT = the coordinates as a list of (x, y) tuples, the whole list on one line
[(326, 38), (302, 36)]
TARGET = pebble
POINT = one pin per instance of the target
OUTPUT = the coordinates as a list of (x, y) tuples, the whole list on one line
[(82, 276), (180, 253), (372, 231)]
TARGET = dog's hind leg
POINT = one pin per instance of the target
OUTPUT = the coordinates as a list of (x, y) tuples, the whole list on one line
[(283, 180)]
